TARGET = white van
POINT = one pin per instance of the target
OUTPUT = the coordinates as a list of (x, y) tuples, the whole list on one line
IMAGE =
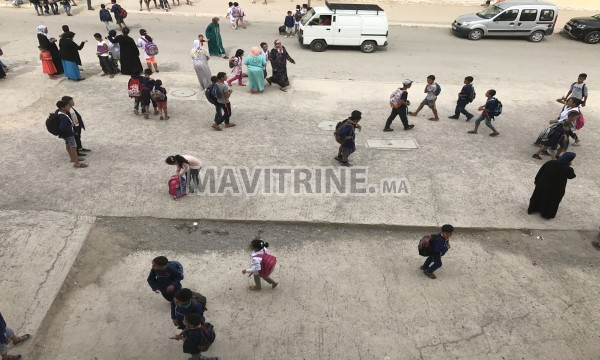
[(525, 18), (361, 25)]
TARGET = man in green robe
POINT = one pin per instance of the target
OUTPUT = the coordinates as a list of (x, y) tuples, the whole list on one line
[(215, 43)]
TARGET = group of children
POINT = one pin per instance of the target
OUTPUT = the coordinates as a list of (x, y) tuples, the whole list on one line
[(145, 91), (43, 7), (236, 15), (292, 20), (188, 307)]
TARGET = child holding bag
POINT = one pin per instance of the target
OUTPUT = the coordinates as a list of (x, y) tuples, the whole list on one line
[(262, 265)]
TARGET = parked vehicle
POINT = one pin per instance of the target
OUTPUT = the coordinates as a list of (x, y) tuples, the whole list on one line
[(526, 18), (584, 28), (363, 25)]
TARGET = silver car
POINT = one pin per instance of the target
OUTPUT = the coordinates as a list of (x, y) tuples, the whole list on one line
[(527, 18)]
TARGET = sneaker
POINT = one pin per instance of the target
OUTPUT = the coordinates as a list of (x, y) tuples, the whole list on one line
[(167, 118), (229, 125), (536, 156), (409, 127), (338, 159), (162, 118), (216, 127), (346, 164), (84, 150), (81, 154), (388, 130), (469, 118), (429, 275), (422, 267), (274, 285), (453, 117)]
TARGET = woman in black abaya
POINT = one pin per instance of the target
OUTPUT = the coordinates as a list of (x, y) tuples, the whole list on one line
[(130, 54), (49, 43), (550, 184)]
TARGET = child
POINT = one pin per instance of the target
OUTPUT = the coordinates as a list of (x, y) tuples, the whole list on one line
[(114, 49), (297, 17), (161, 101), (105, 16), (289, 24), (487, 113), (259, 253), (107, 65), (165, 277), (239, 15), (193, 337), (559, 135), (47, 64), (142, 43), (7, 334), (578, 90), (430, 98), (78, 125), (465, 96), (237, 68), (146, 85), (67, 6), (185, 164), (184, 302)]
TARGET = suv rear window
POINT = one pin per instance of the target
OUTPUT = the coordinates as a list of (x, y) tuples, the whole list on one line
[(528, 15), (547, 15)]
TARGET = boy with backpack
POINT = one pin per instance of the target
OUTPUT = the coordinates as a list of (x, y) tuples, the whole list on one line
[(491, 109), (165, 277), (64, 127), (345, 135), (578, 90), (399, 103), (222, 93), (197, 337), (288, 22), (437, 245), (159, 96), (558, 136), (120, 13), (465, 96), (185, 302), (432, 89), (105, 16)]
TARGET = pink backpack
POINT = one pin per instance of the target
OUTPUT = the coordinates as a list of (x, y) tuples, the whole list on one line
[(580, 121), (267, 265), (177, 187)]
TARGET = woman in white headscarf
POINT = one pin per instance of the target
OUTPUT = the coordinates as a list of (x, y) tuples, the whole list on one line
[(50, 43), (200, 58)]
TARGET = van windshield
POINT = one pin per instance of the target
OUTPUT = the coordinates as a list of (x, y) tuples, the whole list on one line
[(490, 12), (307, 17)]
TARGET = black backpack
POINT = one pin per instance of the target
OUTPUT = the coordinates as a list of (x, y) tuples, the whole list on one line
[(207, 337), (52, 124), (497, 109), (340, 125), (201, 299), (210, 95)]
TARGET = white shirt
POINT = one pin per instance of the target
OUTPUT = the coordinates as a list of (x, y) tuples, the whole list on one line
[(255, 261), (579, 91), (102, 44), (431, 92), (142, 44), (73, 116)]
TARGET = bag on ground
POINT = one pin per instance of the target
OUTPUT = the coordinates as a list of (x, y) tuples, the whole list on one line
[(267, 265), (52, 124), (177, 187), (282, 30), (207, 338)]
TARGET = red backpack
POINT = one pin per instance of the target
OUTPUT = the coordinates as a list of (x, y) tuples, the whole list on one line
[(177, 187), (133, 88), (267, 264)]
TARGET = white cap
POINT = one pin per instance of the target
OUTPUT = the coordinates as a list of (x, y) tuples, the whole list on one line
[(406, 82)]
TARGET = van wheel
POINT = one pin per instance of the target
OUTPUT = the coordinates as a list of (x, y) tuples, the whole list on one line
[(592, 38), (368, 47), (536, 36), (475, 34), (318, 45)]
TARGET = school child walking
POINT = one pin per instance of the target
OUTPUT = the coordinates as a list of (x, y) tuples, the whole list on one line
[(236, 64), (159, 95), (261, 265), (105, 16), (47, 65), (194, 337), (487, 113), (465, 97), (67, 6), (146, 43)]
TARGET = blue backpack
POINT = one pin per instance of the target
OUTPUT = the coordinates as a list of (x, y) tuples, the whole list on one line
[(497, 109), (178, 267), (438, 89)]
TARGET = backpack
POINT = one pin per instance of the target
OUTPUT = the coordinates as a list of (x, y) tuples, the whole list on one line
[(473, 96), (215, 91), (298, 15), (178, 267), (210, 96), (105, 15), (497, 109), (177, 187), (395, 98), (208, 337), (438, 89), (232, 63), (545, 134), (133, 88), (52, 124), (122, 13), (150, 48), (201, 299), (235, 12), (424, 248), (267, 265), (580, 121), (157, 95), (340, 125)]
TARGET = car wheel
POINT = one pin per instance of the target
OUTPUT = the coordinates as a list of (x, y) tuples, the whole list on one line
[(318, 45), (368, 47), (536, 36), (475, 34), (592, 37)]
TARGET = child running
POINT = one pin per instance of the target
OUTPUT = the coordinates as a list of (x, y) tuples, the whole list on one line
[(47, 65), (159, 95), (193, 337), (262, 265)]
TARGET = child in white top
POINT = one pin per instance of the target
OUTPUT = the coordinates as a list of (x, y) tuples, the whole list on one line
[(259, 254)]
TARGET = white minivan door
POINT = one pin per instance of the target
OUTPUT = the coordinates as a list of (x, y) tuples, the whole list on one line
[(347, 29), (320, 27)]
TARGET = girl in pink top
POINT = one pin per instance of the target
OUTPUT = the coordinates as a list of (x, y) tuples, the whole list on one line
[(237, 63), (186, 164)]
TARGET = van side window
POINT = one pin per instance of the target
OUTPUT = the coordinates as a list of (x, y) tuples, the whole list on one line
[(528, 15), (547, 15), (508, 15)]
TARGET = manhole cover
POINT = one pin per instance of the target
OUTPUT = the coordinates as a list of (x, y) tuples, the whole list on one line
[(327, 125), (183, 93), (402, 144)]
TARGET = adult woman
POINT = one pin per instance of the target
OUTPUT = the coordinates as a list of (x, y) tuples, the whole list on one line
[(215, 43), (49, 43), (129, 52), (550, 183), (185, 164), (69, 53), (146, 43), (256, 63), (200, 59), (279, 58)]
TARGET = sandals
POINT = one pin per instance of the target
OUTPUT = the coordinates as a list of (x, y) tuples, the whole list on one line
[(536, 156), (253, 288), (216, 127), (494, 134), (22, 339), (81, 165), (471, 132), (274, 285)]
